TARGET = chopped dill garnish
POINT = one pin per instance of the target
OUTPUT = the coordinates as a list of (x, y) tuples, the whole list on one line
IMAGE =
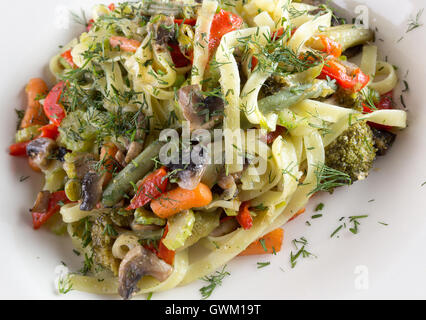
[(319, 207), (23, 178), (329, 178), (64, 284), (407, 88), (353, 220), (316, 216), (302, 252), (87, 264), (262, 243), (336, 231), (262, 264), (214, 280), (415, 23)]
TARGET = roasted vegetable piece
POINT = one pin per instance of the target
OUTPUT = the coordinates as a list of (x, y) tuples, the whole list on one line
[(383, 140), (347, 35), (52, 107), (91, 191), (137, 263), (76, 133), (126, 45), (287, 97), (34, 115), (134, 171), (223, 23), (56, 199), (151, 188), (204, 224), (40, 150), (19, 149), (145, 217), (347, 75), (269, 243), (179, 199), (244, 217), (103, 234), (27, 134), (353, 152), (179, 229)]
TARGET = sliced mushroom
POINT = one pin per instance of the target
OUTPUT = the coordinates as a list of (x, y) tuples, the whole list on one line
[(137, 263), (227, 183), (39, 151), (383, 140), (190, 174), (164, 30), (202, 113), (135, 149), (91, 191), (42, 202)]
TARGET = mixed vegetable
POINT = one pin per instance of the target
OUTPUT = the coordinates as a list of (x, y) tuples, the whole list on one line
[(95, 133)]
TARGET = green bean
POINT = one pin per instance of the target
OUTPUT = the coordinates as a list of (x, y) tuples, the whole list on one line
[(288, 97), (132, 173)]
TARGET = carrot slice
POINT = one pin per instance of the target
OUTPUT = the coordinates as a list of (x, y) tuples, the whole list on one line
[(127, 45), (181, 199), (269, 243), (298, 213), (34, 114), (107, 155)]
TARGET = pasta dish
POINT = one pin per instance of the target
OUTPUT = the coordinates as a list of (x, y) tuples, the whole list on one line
[(179, 135)]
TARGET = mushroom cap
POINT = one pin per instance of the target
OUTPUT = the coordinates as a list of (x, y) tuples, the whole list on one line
[(139, 262)]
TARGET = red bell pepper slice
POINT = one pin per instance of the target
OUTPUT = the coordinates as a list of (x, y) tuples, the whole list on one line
[(56, 200), (49, 131), (111, 7), (68, 58), (190, 22), (385, 103), (271, 136), (19, 149), (161, 250), (52, 108), (223, 23), (354, 82), (90, 25), (179, 60), (244, 217), (152, 187)]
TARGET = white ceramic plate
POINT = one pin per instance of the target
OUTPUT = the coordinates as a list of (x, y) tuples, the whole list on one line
[(379, 262)]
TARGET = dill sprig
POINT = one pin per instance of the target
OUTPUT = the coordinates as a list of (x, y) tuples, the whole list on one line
[(214, 281), (329, 178), (261, 265), (275, 57), (64, 284), (352, 219), (302, 252), (415, 23)]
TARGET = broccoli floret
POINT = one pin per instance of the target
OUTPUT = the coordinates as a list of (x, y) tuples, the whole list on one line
[(103, 236), (353, 152), (348, 99)]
